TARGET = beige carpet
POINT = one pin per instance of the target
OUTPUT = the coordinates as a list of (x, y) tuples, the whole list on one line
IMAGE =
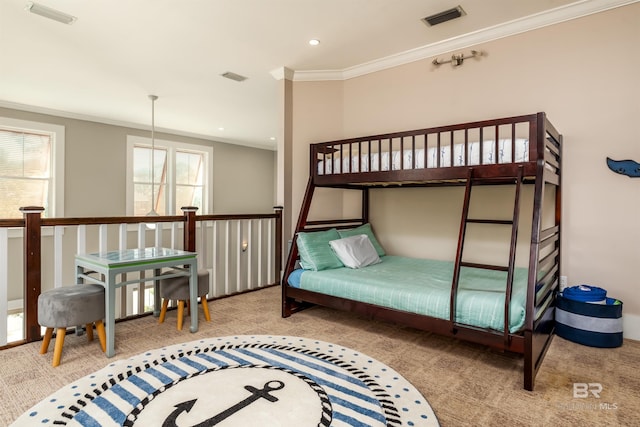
[(465, 384)]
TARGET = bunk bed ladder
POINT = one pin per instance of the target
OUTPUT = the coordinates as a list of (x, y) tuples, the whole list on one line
[(510, 268)]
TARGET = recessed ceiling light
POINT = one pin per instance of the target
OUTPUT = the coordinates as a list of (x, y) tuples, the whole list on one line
[(220, 128), (273, 138), (314, 42), (50, 13)]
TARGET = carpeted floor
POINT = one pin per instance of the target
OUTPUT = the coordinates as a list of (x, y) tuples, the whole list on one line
[(466, 384)]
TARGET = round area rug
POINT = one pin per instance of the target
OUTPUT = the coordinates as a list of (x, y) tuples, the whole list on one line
[(239, 381)]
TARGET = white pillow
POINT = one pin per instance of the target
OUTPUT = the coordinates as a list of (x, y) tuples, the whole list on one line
[(355, 251)]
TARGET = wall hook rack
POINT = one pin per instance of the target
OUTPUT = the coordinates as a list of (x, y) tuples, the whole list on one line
[(458, 58)]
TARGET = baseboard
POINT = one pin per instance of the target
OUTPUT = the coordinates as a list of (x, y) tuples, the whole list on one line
[(631, 326)]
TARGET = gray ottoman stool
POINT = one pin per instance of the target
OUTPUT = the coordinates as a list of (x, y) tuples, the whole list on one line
[(177, 289), (68, 306)]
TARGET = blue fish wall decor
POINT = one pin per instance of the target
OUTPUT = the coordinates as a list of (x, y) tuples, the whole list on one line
[(630, 168)]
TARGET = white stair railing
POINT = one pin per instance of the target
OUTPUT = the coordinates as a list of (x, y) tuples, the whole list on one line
[(239, 254)]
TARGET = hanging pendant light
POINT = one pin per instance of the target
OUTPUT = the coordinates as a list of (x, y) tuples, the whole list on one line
[(153, 99)]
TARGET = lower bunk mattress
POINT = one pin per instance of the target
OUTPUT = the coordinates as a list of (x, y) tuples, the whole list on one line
[(423, 286)]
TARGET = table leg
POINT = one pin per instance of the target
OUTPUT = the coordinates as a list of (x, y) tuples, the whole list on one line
[(156, 293), (193, 294), (110, 310), (79, 271), (79, 281)]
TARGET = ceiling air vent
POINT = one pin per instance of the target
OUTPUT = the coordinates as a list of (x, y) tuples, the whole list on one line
[(234, 76), (445, 16)]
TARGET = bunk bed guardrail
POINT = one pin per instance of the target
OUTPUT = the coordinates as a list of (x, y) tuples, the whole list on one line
[(432, 154)]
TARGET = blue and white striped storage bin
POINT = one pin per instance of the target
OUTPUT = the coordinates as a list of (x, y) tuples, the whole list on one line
[(597, 323)]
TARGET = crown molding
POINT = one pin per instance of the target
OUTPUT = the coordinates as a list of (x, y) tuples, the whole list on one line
[(282, 73), (517, 26)]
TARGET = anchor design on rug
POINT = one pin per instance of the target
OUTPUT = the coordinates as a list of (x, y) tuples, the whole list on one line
[(256, 394)]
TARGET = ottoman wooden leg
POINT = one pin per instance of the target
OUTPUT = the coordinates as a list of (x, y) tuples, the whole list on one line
[(46, 340), (163, 310), (180, 314), (102, 336), (57, 352), (205, 308), (89, 328)]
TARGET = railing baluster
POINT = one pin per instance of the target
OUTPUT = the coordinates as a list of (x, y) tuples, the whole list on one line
[(122, 236), (4, 284), (260, 236), (203, 252), (58, 233), (249, 252), (141, 286), (174, 234), (270, 251), (142, 243), (158, 235), (214, 258), (202, 247), (81, 239), (103, 237), (238, 256), (121, 293), (142, 236), (278, 245), (227, 241)]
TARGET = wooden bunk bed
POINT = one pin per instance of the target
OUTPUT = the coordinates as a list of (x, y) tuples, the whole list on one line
[(508, 151)]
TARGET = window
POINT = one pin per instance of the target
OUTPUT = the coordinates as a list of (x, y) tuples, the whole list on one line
[(31, 167), (182, 176)]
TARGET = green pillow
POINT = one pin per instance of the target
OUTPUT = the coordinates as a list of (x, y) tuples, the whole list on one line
[(364, 229), (315, 251)]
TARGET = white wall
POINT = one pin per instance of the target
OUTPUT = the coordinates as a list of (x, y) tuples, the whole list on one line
[(582, 73), (95, 161)]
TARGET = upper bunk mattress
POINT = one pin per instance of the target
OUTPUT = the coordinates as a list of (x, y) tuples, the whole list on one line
[(423, 287)]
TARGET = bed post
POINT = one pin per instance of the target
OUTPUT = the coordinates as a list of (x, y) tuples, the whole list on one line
[(541, 291), (288, 303), (365, 205), (536, 130)]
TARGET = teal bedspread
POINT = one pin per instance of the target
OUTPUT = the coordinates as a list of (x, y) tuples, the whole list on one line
[(423, 286)]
